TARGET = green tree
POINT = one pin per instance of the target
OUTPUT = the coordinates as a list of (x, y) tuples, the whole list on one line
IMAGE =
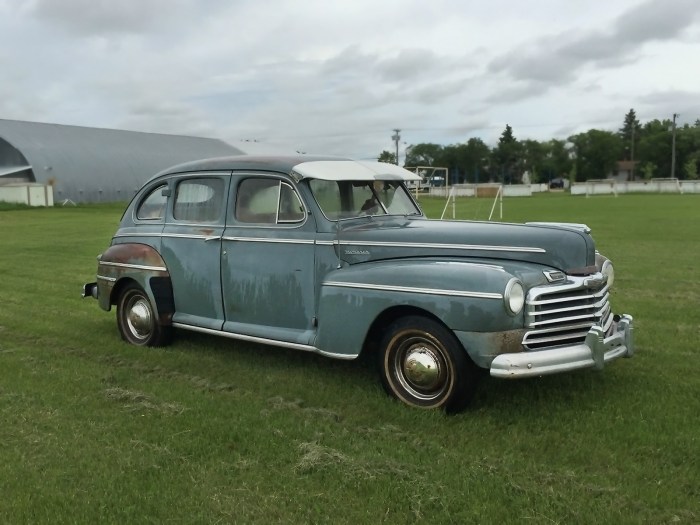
[(596, 153), (690, 169), (648, 170), (655, 146), (557, 161), (507, 155), (629, 133), (424, 155), (533, 158), (388, 157)]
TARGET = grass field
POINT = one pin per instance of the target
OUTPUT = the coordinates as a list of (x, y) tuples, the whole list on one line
[(213, 431)]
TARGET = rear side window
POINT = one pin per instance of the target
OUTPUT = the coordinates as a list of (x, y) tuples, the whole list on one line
[(153, 206), (268, 201), (199, 200)]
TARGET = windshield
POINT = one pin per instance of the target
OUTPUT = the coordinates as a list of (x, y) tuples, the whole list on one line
[(345, 199)]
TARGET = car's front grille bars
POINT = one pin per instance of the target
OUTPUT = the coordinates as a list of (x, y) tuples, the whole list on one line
[(563, 314)]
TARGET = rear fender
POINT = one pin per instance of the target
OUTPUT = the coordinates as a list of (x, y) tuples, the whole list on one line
[(122, 264)]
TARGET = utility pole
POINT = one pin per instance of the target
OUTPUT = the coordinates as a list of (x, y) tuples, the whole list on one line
[(632, 152), (673, 146), (396, 138)]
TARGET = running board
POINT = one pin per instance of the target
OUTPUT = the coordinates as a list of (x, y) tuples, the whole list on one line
[(262, 340)]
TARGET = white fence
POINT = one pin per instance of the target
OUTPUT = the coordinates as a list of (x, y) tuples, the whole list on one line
[(487, 190), (607, 187), (31, 194)]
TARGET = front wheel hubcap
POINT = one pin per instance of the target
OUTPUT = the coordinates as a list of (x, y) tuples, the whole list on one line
[(422, 367), (139, 318)]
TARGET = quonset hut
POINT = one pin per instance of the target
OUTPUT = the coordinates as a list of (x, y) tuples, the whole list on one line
[(92, 164)]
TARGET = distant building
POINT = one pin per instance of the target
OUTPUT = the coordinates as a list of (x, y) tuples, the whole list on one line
[(93, 164), (624, 170)]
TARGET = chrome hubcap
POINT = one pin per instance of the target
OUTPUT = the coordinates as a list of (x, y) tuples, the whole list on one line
[(422, 367), (139, 318)]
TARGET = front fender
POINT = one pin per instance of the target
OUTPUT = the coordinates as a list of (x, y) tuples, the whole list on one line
[(464, 296), (134, 262)]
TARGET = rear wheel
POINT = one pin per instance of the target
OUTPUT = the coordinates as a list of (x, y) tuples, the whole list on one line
[(424, 365), (137, 321)]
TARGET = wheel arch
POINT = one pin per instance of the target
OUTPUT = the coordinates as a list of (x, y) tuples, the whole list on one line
[(159, 291), (373, 338)]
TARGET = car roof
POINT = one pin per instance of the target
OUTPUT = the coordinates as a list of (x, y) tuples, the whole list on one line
[(301, 166)]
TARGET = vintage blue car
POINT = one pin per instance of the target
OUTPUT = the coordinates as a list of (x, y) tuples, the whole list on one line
[(334, 256)]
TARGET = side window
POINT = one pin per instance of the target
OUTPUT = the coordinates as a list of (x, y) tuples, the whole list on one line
[(153, 206), (267, 201), (199, 200), (291, 209)]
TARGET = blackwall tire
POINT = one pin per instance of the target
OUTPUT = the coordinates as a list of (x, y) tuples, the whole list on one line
[(136, 319), (424, 365)]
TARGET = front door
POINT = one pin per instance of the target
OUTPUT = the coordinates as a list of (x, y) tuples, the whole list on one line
[(267, 268), (191, 248)]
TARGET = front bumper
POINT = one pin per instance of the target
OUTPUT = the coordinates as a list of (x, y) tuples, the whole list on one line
[(594, 352)]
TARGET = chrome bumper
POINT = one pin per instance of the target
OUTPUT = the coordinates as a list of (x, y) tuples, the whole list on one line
[(89, 290), (594, 352)]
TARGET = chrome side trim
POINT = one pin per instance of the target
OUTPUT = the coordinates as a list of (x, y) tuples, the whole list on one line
[(185, 236), (526, 249), (105, 278), (135, 266), (262, 340), (139, 234), (408, 289), (269, 239)]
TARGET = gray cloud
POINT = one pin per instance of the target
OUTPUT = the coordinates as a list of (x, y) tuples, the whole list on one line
[(558, 59)]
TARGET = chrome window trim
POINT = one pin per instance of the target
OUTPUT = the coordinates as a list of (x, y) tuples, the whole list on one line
[(134, 266), (410, 289)]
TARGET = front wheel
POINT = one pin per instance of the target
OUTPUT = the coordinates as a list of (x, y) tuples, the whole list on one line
[(424, 365), (137, 321)]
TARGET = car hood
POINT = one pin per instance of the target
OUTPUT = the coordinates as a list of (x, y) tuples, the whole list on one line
[(370, 239)]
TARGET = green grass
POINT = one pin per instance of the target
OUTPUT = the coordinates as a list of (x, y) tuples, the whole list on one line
[(213, 431)]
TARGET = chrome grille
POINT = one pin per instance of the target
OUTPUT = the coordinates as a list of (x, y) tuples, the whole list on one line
[(562, 314)]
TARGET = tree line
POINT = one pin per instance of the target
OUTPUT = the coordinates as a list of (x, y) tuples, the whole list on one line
[(595, 154)]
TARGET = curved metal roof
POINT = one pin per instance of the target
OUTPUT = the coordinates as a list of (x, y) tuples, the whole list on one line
[(94, 164)]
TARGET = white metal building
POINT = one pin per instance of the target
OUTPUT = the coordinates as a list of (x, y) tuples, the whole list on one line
[(92, 164)]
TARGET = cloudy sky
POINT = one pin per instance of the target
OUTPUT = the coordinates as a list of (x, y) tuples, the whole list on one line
[(337, 77)]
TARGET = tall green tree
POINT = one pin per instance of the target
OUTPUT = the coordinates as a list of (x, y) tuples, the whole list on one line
[(596, 153), (630, 134), (507, 155)]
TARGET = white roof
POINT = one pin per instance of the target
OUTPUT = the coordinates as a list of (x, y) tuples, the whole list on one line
[(353, 170), (9, 170)]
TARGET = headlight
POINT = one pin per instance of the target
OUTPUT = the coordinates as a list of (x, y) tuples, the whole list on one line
[(609, 272), (514, 297)]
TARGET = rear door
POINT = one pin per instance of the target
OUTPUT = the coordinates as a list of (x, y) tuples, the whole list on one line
[(191, 247)]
